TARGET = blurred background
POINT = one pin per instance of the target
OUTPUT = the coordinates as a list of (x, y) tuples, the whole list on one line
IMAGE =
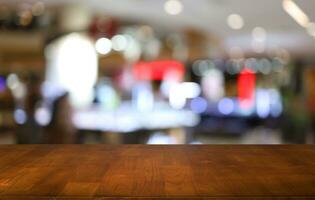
[(157, 71)]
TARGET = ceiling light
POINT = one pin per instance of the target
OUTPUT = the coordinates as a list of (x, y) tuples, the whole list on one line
[(235, 21), (173, 7), (38, 8), (295, 12), (311, 29), (259, 34), (103, 46), (119, 42)]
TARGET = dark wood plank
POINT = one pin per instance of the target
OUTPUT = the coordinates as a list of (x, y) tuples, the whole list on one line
[(157, 172)]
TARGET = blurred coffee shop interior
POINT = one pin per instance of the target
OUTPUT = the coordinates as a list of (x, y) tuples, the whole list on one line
[(157, 71)]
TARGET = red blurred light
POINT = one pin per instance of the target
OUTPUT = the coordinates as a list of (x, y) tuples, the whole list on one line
[(159, 70), (246, 88)]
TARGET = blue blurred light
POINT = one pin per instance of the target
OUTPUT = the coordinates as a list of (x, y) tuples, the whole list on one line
[(20, 116), (226, 106), (2, 84), (198, 105), (276, 107), (263, 103)]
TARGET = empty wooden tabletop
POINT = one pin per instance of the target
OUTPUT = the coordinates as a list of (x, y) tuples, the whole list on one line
[(157, 172)]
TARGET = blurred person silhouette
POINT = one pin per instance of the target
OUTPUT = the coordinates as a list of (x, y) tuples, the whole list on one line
[(29, 131), (60, 130)]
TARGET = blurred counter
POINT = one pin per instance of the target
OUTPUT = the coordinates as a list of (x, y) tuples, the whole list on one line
[(157, 172), (128, 119)]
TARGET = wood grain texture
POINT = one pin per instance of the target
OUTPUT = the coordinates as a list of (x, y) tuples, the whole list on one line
[(157, 172)]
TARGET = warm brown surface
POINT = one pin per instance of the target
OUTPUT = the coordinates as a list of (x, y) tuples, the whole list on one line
[(156, 172)]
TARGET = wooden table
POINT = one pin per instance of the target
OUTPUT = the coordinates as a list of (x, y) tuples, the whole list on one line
[(157, 172)]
